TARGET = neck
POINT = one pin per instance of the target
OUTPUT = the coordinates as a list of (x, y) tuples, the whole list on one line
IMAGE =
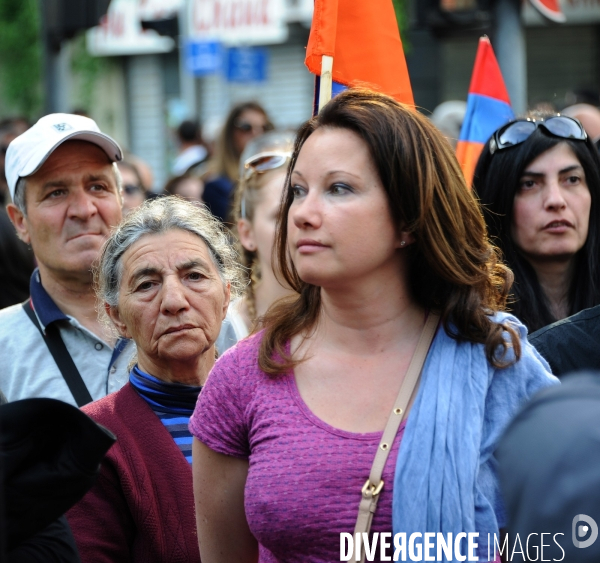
[(267, 291), (74, 295), (555, 280), (193, 371), (369, 316)]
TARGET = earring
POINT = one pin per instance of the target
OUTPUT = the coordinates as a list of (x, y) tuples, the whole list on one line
[(402, 243)]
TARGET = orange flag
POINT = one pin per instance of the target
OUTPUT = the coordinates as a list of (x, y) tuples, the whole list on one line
[(362, 37)]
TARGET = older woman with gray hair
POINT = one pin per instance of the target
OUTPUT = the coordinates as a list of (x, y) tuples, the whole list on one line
[(165, 279)]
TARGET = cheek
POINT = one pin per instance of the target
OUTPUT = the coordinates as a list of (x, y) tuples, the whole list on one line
[(140, 320), (522, 217), (110, 210)]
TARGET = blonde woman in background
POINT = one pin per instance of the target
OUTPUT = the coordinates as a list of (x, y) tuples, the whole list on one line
[(244, 122), (255, 209)]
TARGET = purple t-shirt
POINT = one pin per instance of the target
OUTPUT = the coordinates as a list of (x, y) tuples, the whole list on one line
[(305, 477)]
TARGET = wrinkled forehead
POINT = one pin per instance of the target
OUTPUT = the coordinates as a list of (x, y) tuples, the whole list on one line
[(167, 252)]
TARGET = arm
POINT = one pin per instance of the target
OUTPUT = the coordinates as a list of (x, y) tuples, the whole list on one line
[(223, 532)]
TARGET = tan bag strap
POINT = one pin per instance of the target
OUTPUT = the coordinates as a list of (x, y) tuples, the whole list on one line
[(374, 484)]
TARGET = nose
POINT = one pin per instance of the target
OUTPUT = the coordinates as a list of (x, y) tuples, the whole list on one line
[(554, 200), (81, 205), (174, 300), (307, 212)]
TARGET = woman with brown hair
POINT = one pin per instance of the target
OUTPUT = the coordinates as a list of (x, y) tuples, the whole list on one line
[(380, 237), (244, 122)]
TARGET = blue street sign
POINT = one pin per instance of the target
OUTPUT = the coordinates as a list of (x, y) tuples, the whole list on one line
[(203, 57), (247, 64)]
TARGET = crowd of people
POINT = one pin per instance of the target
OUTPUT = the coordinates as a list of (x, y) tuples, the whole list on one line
[(305, 334)]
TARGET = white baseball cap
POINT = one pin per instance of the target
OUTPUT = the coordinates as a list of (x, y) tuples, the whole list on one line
[(26, 154)]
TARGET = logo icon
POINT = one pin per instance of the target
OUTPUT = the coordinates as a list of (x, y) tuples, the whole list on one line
[(62, 127), (580, 531)]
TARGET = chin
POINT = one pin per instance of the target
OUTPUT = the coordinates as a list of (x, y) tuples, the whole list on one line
[(185, 350)]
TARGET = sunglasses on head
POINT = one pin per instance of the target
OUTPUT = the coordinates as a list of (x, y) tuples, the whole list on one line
[(518, 131), (246, 127), (264, 161)]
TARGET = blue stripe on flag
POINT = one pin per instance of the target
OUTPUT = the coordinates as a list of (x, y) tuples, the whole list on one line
[(336, 88), (483, 116)]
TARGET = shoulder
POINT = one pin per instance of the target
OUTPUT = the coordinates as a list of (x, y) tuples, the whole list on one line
[(13, 317), (588, 320), (243, 356), (124, 405)]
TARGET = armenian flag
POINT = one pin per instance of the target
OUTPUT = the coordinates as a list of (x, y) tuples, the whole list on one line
[(488, 108), (362, 38)]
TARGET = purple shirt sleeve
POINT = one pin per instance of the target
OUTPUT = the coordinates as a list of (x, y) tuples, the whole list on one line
[(219, 419)]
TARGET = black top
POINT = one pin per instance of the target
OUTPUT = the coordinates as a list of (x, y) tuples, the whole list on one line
[(571, 344)]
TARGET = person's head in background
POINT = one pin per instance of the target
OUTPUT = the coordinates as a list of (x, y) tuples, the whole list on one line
[(244, 122), (448, 118), (539, 185), (9, 129), (588, 115), (548, 471), (144, 171), (186, 186), (263, 168), (133, 192), (188, 134)]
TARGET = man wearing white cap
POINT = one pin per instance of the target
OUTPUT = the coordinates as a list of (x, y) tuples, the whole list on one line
[(65, 188)]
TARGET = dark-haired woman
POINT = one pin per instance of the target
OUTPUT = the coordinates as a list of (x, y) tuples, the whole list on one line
[(380, 237), (539, 184), (244, 122)]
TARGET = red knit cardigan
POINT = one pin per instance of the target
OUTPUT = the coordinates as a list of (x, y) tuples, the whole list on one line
[(141, 509)]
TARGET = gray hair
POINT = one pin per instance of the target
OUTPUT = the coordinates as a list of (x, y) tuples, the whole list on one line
[(159, 216), (21, 204)]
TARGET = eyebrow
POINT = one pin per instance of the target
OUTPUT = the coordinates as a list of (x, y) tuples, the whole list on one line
[(150, 271), (88, 178), (330, 173), (563, 171)]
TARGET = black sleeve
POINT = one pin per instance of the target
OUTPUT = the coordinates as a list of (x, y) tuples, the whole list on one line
[(55, 544)]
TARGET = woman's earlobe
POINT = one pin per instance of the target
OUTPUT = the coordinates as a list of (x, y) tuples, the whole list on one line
[(246, 234), (405, 239), (115, 317)]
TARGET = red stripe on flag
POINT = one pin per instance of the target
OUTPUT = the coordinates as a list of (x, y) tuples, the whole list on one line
[(487, 78)]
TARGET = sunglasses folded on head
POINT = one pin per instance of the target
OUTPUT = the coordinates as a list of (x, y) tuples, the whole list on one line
[(261, 162), (518, 131)]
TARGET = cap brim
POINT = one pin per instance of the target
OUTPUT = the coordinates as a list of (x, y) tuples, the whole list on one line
[(110, 147)]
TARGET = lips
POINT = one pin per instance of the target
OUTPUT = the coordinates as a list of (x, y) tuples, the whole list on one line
[(85, 235), (179, 328), (559, 224), (308, 243)]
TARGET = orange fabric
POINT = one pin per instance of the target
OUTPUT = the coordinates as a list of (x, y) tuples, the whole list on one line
[(467, 154), (365, 44)]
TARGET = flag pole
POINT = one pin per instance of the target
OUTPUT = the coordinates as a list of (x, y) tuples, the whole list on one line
[(326, 81)]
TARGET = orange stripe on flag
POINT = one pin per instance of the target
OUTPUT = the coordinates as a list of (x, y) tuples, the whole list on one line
[(367, 49), (467, 154)]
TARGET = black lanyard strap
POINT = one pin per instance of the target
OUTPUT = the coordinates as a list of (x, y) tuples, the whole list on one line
[(61, 356)]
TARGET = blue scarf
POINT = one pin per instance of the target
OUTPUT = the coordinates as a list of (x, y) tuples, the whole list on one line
[(446, 473), (172, 398)]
